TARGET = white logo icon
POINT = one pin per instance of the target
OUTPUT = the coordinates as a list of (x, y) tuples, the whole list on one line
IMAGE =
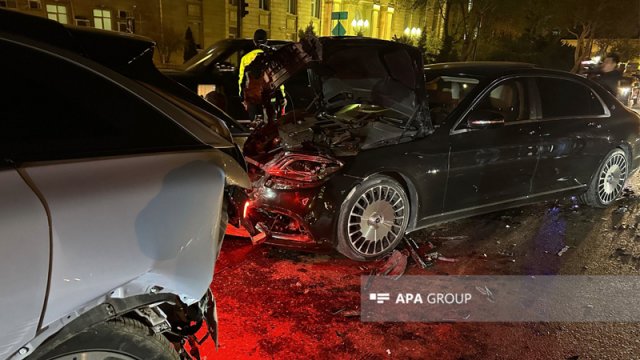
[(379, 298)]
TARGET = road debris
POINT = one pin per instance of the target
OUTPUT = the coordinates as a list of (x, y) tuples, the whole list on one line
[(486, 292), (413, 251), (627, 192), (338, 311), (437, 256), (450, 238), (351, 313), (621, 209), (395, 265), (506, 253), (564, 250)]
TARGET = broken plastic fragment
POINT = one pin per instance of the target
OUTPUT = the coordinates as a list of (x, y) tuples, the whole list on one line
[(564, 250), (395, 265)]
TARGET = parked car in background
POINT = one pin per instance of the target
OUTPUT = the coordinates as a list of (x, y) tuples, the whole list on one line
[(395, 147), (112, 197), (215, 70)]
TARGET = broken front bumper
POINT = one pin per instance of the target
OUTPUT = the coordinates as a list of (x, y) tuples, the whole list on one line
[(303, 218)]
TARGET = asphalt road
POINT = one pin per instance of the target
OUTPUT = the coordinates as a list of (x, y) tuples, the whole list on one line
[(276, 304)]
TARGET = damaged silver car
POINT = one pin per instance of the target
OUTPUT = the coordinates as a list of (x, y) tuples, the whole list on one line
[(112, 198)]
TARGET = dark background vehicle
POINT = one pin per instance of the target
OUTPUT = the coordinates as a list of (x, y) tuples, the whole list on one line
[(217, 67), (112, 188), (499, 135)]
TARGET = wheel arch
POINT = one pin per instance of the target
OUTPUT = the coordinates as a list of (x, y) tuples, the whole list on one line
[(626, 147), (411, 191)]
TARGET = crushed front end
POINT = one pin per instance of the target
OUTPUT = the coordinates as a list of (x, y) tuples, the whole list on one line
[(300, 163), (291, 203)]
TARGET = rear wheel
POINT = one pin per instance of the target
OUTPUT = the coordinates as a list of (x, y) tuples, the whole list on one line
[(608, 181), (119, 339), (373, 220)]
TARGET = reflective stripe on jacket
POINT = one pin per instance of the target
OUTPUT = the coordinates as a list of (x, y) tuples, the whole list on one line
[(244, 62)]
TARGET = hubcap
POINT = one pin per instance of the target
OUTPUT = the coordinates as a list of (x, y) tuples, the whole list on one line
[(96, 355), (376, 220), (612, 178)]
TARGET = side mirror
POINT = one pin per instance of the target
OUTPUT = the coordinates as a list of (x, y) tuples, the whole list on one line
[(483, 119)]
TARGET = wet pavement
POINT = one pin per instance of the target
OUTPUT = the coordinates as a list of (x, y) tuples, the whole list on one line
[(278, 304)]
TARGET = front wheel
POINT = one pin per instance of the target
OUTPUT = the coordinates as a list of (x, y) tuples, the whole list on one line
[(373, 219), (608, 181), (118, 339)]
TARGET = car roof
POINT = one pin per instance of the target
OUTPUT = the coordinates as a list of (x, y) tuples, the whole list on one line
[(493, 69)]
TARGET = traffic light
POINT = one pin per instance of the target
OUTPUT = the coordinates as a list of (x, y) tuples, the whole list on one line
[(244, 6)]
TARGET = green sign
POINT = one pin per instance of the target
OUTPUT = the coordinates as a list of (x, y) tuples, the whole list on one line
[(339, 30), (339, 15)]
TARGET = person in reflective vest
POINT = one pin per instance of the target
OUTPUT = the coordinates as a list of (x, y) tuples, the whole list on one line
[(259, 40)]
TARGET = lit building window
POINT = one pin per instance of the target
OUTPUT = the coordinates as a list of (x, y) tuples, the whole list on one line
[(292, 6), (264, 4), (102, 19), (57, 13), (315, 8)]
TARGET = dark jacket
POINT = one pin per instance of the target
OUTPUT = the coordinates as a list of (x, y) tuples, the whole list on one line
[(610, 80)]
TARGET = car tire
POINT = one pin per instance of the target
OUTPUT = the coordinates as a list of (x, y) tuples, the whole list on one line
[(373, 219), (121, 339), (608, 181)]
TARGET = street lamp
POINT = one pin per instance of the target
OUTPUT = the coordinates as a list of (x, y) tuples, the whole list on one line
[(413, 32), (359, 25)]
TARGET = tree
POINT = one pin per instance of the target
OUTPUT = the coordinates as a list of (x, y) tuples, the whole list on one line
[(626, 49), (588, 20), (189, 45), (169, 43), (404, 39), (422, 42), (308, 32)]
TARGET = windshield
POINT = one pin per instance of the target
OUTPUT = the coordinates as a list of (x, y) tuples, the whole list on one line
[(446, 93)]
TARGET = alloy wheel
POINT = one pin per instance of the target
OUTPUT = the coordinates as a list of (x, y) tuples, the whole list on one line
[(96, 355), (376, 220), (612, 178)]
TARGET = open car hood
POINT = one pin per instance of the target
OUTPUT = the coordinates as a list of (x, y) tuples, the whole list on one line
[(371, 72), (351, 70)]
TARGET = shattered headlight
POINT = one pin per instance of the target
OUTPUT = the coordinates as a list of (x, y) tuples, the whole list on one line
[(296, 170)]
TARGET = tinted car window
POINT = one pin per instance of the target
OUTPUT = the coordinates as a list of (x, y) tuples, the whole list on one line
[(445, 93), (54, 109), (509, 98), (561, 97)]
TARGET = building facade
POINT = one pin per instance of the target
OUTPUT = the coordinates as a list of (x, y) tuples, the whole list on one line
[(166, 21)]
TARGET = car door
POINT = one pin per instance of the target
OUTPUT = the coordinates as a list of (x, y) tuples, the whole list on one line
[(574, 134), (496, 163), (24, 257)]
